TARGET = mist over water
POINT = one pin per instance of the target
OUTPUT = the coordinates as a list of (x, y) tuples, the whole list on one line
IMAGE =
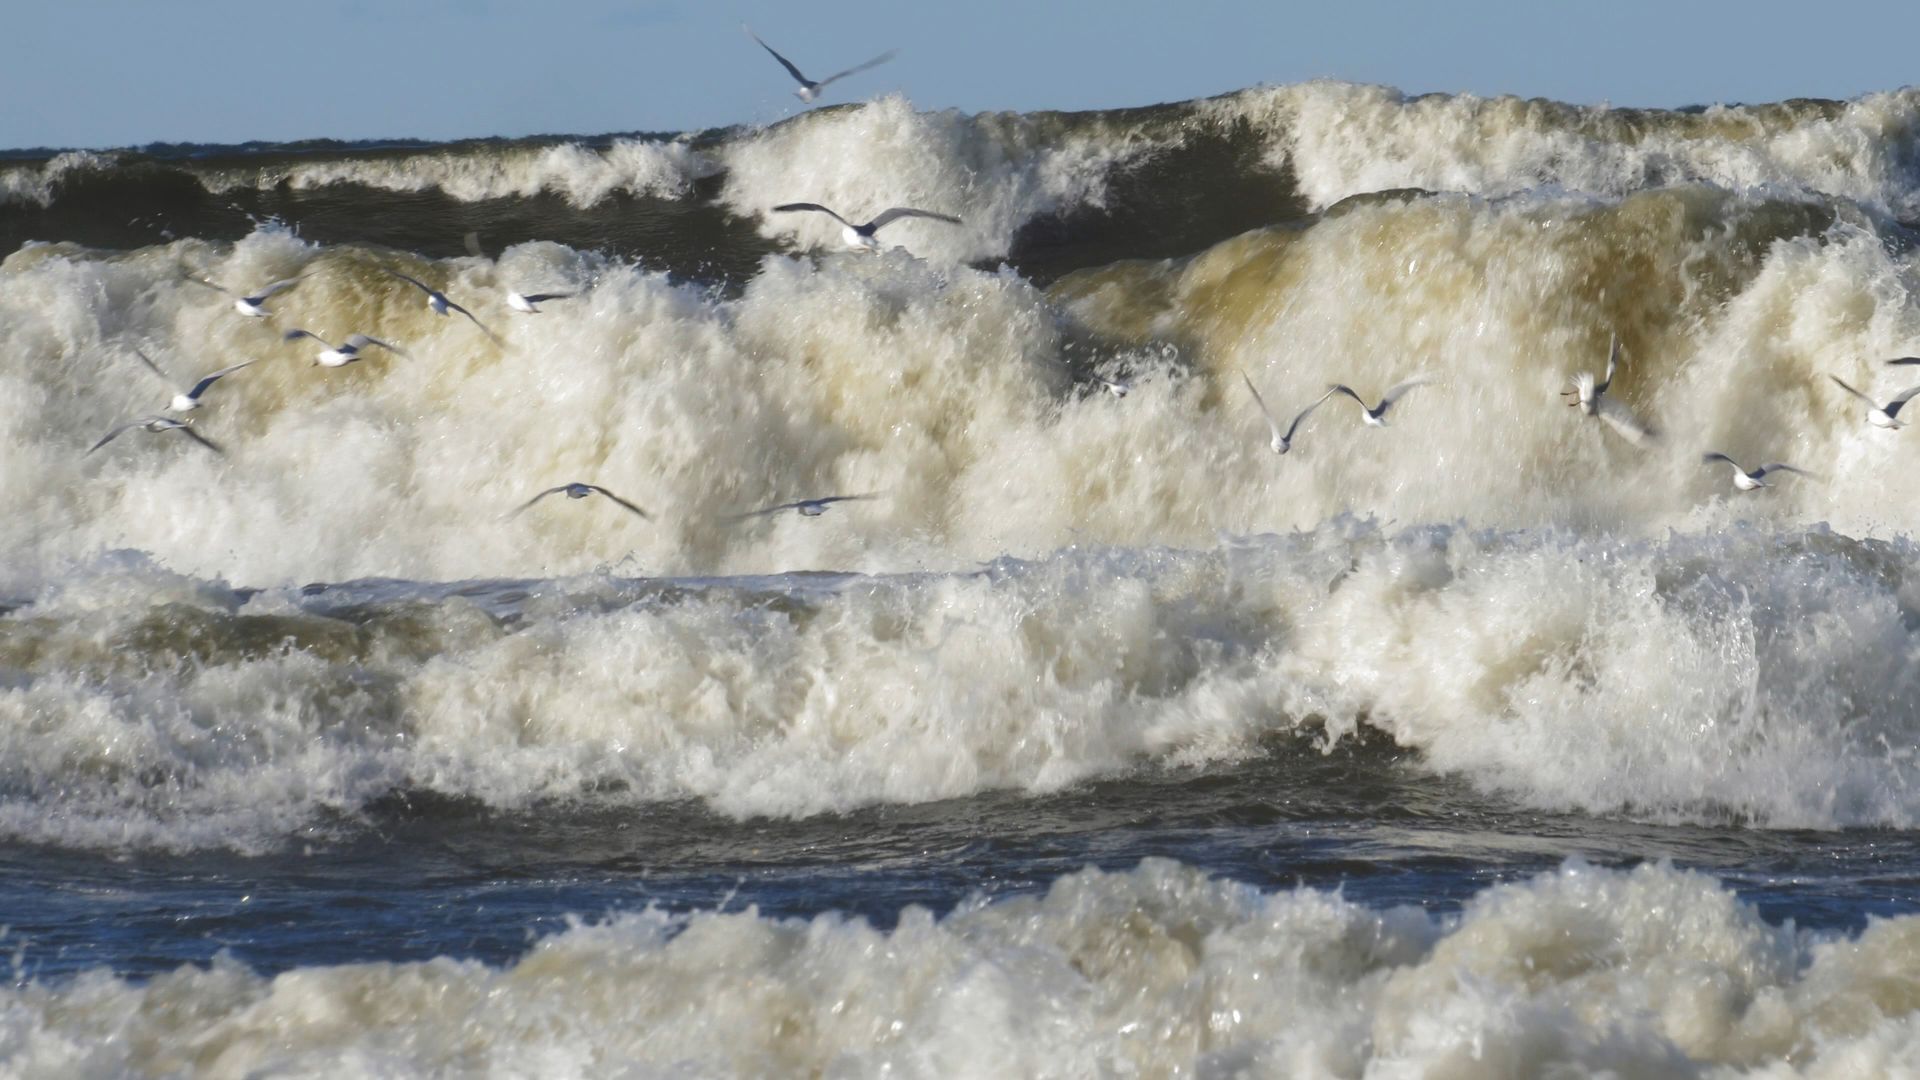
[(337, 632)]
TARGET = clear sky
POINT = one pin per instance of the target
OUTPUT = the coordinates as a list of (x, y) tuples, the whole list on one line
[(97, 73)]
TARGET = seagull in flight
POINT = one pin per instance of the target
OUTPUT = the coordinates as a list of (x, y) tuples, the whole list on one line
[(525, 303), (438, 301), (1376, 416), (1589, 395), (810, 89), (251, 306), (860, 237), (577, 490), (1281, 442), (345, 353), (1882, 416), (1747, 481), (807, 507), (189, 399), (158, 424)]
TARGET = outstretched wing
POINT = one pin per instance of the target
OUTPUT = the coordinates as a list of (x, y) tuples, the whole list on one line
[(1712, 456), (1272, 424), (765, 510), (621, 501), (897, 212), (228, 292), (491, 336), (1621, 419), (792, 206), (518, 510), (784, 62), (1613, 360), (361, 341), (1906, 360), (117, 432), (1399, 390), (199, 438), (541, 298), (153, 367), (208, 380), (1302, 415), (1871, 404), (415, 282), (1781, 466), (1343, 388), (873, 63), (277, 287), (296, 334)]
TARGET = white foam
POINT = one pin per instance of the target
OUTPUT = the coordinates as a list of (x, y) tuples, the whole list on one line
[(34, 183), (1342, 139), (1651, 972), (996, 171)]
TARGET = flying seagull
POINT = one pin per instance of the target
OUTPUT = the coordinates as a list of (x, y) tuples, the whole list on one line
[(807, 507), (1282, 442), (1747, 481), (438, 301), (250, 306), (526, 303), (1589, 395), (579, 490), (810, 89), (1376, 416), (1882, 416), (346, 352), (189, 400), (157, 424), (860, 237)]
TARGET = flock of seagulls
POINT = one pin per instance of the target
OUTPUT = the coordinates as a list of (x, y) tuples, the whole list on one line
[(1587, 392), (354, 348)]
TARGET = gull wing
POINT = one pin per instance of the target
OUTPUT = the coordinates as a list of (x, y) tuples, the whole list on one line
[(296, 334), (792, 206), (1399, 390), (1613, 359), (1272, 424), (541, 298), (1621, 419), (277, 287), (1712, 456), (1871, 404), (764, 511), (1900, 400), (518, 510), (621, 501), (121, 430), (361, 341), (1781, 466), (1907, 360), (229, 292), (153, 367), (784, 62), (1343, 388), (897, 212), (415, 282), (857, 69), (491, 336), (1302, 415), (199, 438), (208, 380)]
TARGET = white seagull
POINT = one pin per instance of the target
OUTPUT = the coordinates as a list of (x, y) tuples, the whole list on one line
[(1281, 442), (1747, 481), (1882, 416), (807, 507), (346, 352), (809, 89), (860, 237), (528, 303), (189, 399), (1376, 416), (251, 306), (517, 301), (577, 490), (1589, 395), (157, 424), (438, 301)]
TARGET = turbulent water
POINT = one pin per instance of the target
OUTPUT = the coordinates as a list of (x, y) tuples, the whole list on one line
[(1492, 742)]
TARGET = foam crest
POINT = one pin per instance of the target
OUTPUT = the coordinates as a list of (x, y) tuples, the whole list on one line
[(996, 171), (1342, 139), (1750, 676), (34, 182), (1158, 970)]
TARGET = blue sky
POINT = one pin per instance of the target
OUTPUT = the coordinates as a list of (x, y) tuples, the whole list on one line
[(126, 72)]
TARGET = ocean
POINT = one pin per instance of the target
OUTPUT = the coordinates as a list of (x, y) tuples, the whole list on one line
[(1096, 738)]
